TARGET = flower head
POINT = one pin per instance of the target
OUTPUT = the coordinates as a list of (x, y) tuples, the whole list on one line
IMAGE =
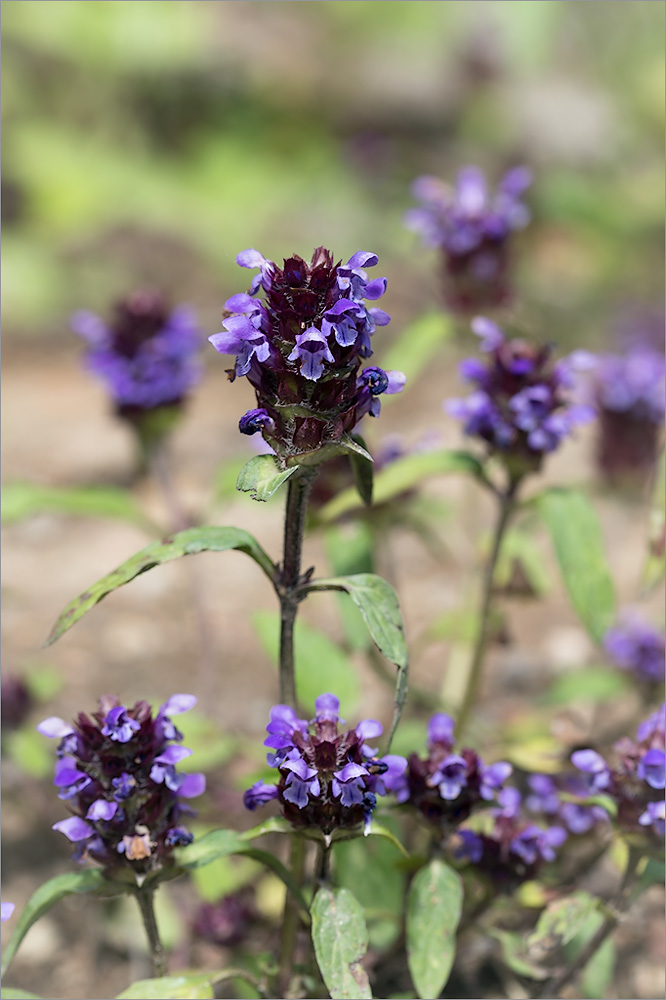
[(521, 404), (638, 647), (447, 785), (301, 348), (328, 779), (145, 355), (117, 773), (472, 228)]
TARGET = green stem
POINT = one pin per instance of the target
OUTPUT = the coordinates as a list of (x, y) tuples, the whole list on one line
[(145, 899), (291, 918), (622, 902), (506, 508), (298, 491)]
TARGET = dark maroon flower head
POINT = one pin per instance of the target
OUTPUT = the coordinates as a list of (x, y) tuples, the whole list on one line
[(446, 786), (473, 229), (117, 773), (329, 780), (17, 701), (224, 923), (301, 349), (514, 850), (146, 355), (521, 406)]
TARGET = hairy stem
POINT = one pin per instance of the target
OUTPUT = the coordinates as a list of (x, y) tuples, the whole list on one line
[(506, 507), (298, 490), (291, 917), (618, 905), (145, 898)]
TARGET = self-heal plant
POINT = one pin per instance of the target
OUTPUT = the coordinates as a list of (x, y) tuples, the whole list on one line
[(329, 780), (472, 228), (116, 772), (302, 347), (147, 357)]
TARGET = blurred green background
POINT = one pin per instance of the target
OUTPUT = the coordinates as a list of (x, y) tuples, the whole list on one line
[(149, 142)]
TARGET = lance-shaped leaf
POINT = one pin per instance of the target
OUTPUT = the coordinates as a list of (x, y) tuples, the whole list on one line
[(403, 475), (576, 535), (262, 477), (340, 939), (378, 603), (21, 500), (184, 543), (362, 469), (433, 913), (48, 894)]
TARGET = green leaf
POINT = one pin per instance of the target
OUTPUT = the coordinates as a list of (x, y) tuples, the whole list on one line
[(362, 468), (433, 913), (349, 548), (576, 534), (275, 824), (319, 662), (183, 543), (591, 684), (22, 500), (340, 939), (188, 986), (597, 975), (403, 475), (9, 994), (559, 923), (262, 477), (417, 345), (514, 956), (44, 898), (378, 603), (203, 850), (378, 830)]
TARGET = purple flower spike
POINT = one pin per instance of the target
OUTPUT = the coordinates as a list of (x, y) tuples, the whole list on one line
[(120, 781), (301, 348)]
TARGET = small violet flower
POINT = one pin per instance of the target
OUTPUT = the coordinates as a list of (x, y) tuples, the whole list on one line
[(146, 355), (328, 779), (521, 405), (444, 786), (301, 348), (472, 229), (117, 772), (6, 910), (638, 647)]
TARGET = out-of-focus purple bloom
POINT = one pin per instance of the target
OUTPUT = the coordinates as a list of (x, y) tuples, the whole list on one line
[(637, 646), (444, 786), (146, 355), (595, 769), (546, 797), (472, 229), (533, 843), (301, 349), (117, 772), (6, 910), (328, 779), (654, 817), (652, 768), (17, 701), (224, 923), (521, 405)]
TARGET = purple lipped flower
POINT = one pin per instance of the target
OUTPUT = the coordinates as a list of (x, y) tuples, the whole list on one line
[(546, 798), (652, 768), (472, 228), (445, 786), (654, 817), (146, 355), (521, 404), (595, 769), (328, 778), (638, 647), (120, 782), (301, 348)]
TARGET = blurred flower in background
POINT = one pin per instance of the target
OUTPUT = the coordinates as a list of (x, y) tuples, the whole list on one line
[(638, 647)]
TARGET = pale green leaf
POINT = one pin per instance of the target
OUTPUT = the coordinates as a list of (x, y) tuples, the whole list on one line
[(188, 986), (261, 477), (576, 534), (203, 850), (340, 939), (183, 543), (22, 500), (559, 923), (433, 913)]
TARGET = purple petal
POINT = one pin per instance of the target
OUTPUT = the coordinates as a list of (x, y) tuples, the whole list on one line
[(299, 768), (250, 258), (368, 729), (178, 703), (380, 317), (172, 755), (396, 382), (240, 303), (74, 828), (101, 809), (471, 190), (6, 910), (440, 729), (54, 728), (192, 785), (375, 288), (351, 770), (489, 332), (327, 707), (362, 258)]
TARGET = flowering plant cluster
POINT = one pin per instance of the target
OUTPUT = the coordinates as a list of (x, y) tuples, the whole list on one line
[(146, 355), (472, 228), (446, 786), (634, 780), (329, 779), (521, 406), (117, 773), (638, 647), (301, 349)]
